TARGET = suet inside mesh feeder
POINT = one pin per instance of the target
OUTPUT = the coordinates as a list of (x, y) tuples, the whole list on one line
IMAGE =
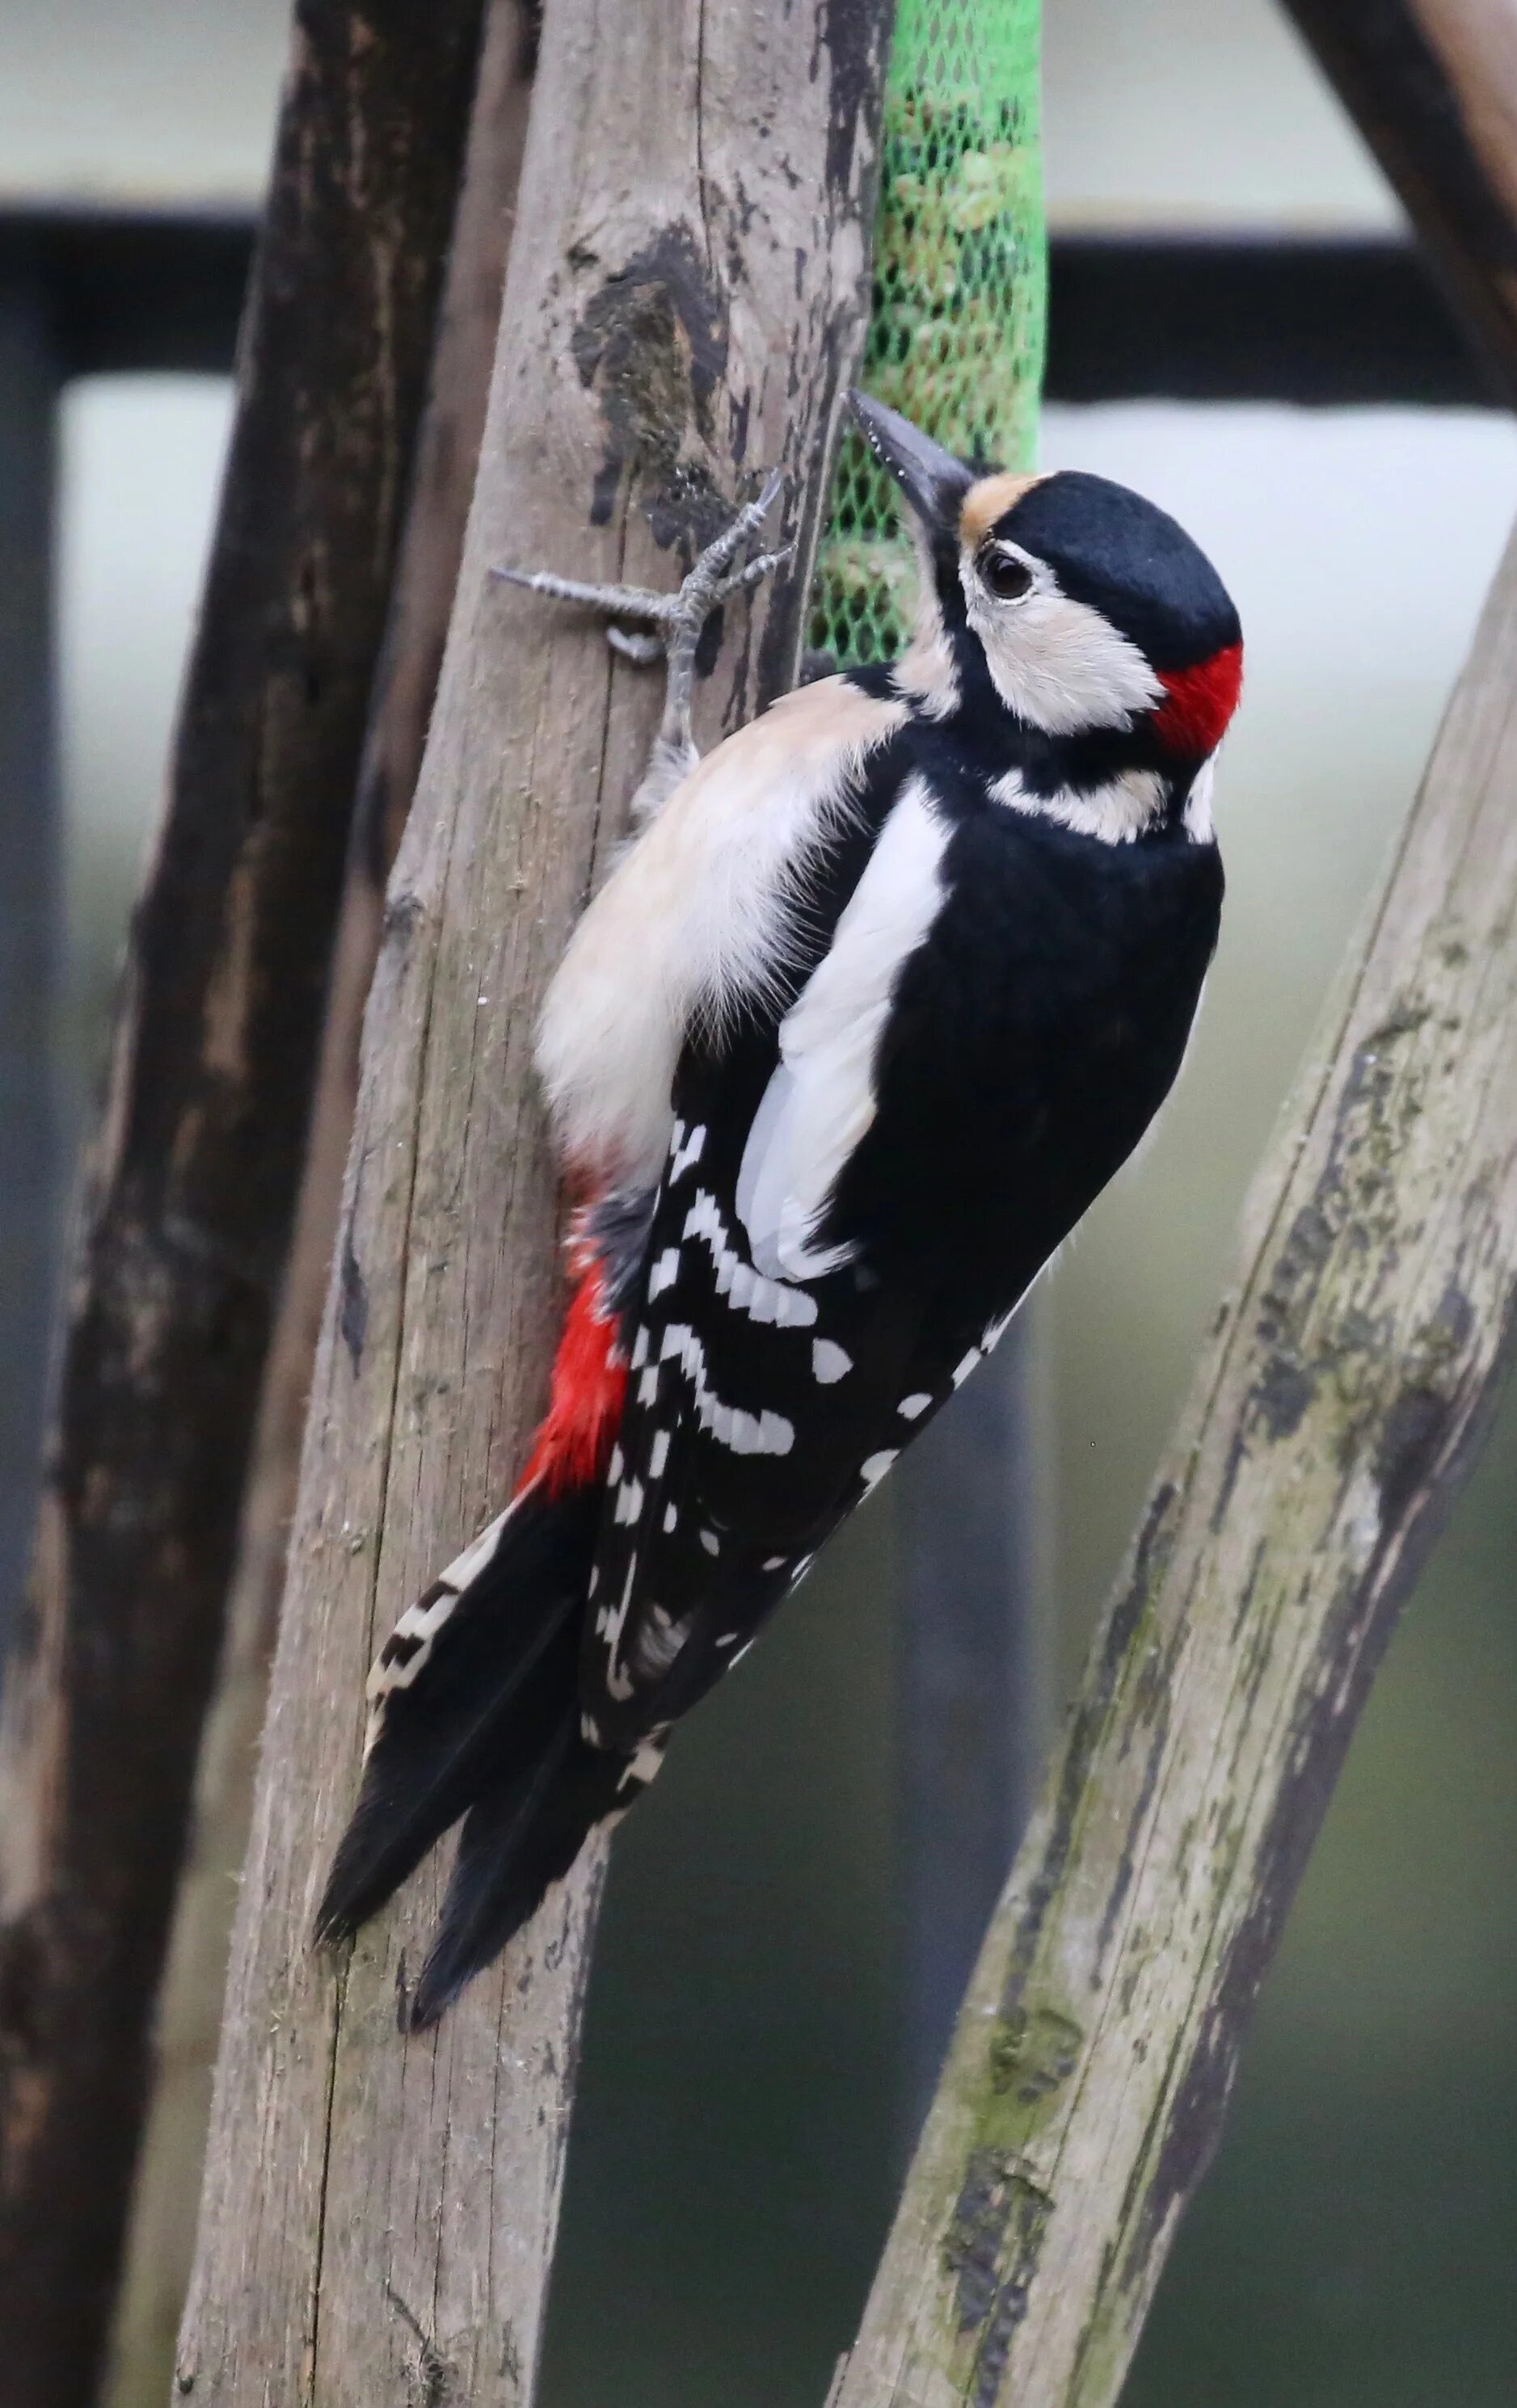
[(955, 338)]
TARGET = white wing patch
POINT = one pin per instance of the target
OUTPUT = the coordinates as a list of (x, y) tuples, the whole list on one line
[(696, 916), (821, 1099)]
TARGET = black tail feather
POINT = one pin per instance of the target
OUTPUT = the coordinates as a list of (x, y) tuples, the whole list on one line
[(513, 1846), (499, 1682)]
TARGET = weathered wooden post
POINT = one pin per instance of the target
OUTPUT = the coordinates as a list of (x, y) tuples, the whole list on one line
[(1345, 1390), (1344, 1394), (185, 1226), (30, 908), (1432, 87), (161, 2238), (684, 297)]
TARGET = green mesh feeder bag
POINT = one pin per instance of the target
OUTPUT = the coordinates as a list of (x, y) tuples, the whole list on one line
[(955, 338)]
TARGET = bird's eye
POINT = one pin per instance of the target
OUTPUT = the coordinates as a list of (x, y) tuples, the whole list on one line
[(1003, 574)]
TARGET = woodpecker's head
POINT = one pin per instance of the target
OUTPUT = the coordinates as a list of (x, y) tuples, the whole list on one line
[(1087, 608)]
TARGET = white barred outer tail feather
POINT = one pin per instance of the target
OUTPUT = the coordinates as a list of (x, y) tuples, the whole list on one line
[(408, 1651)]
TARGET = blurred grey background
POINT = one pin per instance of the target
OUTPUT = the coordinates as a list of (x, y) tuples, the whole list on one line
[(742, 2121)]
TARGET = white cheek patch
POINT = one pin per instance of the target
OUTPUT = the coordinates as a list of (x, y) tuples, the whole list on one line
[(1058, 663)]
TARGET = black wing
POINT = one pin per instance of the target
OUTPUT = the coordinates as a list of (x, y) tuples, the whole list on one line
[(1033, 1029)]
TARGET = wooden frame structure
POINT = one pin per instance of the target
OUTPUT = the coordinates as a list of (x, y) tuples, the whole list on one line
[(1418, 79)]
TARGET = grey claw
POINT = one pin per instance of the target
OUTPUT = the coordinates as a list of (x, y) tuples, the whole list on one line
[(755, 571), (674, 623), (711, 568), (642, 649)]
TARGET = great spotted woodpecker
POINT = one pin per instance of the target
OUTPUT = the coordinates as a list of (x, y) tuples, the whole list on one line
[(886, 989)]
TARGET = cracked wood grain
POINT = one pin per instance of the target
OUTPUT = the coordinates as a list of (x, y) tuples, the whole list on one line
[(1347, 1385), (162, 2232), (193, 1183), (686, 290)]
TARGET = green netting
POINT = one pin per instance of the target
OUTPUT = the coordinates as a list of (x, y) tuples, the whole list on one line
[(955, 336)]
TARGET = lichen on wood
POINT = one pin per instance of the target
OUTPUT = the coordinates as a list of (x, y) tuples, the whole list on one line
[(1344, 1392)]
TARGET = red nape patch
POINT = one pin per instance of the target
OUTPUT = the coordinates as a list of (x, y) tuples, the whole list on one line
[(1201, 701), (590, 1381)]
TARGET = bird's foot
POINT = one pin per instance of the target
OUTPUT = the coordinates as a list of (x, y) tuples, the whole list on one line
[(676, 622)]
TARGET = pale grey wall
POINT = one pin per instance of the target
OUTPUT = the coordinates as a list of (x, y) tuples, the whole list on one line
[(140, 460), (1196, 112), (139, 99)]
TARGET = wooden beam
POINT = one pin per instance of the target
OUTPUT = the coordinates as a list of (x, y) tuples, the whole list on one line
[(1349, 1381), (1432, 86), (131, 289), (194, 1175), (686, 285), (1333, 322), (30, 874), (162, 2236), (1330, 319)]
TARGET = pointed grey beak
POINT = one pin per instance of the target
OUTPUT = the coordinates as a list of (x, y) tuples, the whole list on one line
[(929, 477)]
